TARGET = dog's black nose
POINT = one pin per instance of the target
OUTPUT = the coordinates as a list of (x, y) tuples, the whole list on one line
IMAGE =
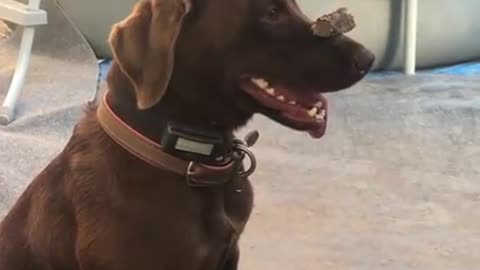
[(364, 60)]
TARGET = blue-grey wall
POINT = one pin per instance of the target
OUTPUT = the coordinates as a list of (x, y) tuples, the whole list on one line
[(448, 32)]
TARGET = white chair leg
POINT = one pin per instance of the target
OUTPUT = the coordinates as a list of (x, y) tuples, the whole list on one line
[(7, 110), (411, 36)]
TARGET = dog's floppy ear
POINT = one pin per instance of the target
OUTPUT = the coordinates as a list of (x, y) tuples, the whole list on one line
[(143, 45)]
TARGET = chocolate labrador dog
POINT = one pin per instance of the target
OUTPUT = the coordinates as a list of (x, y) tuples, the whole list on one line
[(152, 177)]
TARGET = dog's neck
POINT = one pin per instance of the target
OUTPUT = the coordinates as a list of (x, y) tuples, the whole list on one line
[(152, 122)]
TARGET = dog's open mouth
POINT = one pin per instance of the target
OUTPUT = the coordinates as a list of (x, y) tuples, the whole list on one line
[(299, 110)]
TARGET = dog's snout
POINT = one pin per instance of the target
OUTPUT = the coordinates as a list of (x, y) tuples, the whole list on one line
[(363, 60), (360, 59)]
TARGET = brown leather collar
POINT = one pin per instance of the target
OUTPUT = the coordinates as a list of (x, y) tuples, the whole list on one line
[(196, 174)]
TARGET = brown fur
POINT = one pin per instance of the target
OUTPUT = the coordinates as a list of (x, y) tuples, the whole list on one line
[(97, 207)]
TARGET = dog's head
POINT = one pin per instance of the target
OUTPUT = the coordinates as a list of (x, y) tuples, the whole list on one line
[(225, 60)]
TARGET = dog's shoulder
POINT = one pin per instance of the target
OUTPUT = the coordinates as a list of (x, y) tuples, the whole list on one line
[(47, 205)]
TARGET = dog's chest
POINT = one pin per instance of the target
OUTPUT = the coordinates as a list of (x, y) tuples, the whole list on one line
[(229, 209), (197, 230), (168, 225), (223, 220), (227, 212)]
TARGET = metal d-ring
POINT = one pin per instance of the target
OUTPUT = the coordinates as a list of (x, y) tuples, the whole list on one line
[(239, 146), (253, 161), (189, 173)]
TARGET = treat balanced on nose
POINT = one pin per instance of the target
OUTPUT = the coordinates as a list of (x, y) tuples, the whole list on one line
[(336, 23)]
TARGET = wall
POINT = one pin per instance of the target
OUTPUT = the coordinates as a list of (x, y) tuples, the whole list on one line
[(448, 31)]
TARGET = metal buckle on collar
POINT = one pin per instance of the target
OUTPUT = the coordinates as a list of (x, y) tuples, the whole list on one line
[(192, 182), (241, 150)]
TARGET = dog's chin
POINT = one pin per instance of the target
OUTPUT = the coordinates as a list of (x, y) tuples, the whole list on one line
[(300, 110)]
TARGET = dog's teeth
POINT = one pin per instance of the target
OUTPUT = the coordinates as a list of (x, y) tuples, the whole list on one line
[(281, 98), (292, 102), (260, 82), (270, 91), (313, 112), (323, 113)]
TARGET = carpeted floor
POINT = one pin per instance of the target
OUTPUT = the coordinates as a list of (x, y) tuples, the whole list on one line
[(394, 185), (62, 78)]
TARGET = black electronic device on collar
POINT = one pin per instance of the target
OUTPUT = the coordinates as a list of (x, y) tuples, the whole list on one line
[(195, 143)]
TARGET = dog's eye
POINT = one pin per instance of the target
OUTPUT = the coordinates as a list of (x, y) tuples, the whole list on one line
[(273, 15)]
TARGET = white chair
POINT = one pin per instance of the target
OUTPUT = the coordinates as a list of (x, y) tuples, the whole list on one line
[(27, 16)]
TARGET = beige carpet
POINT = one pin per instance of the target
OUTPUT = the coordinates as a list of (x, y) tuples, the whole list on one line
[(395, 184), (62, 78)]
